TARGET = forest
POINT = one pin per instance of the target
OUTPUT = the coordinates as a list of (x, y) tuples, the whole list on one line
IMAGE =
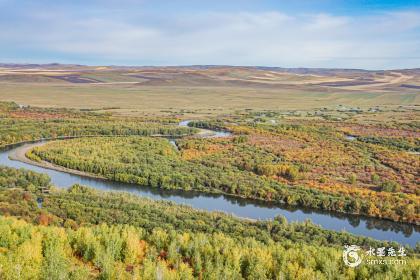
[(28, 124), (127, 252), (353, 163), (80, 205), (81, 233), (224, 165)]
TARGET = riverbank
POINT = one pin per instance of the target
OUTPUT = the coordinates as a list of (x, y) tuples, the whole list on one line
[(19, 154), (240, 207), (243, 208)]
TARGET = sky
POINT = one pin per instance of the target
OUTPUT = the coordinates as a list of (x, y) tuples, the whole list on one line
[(366, 34)]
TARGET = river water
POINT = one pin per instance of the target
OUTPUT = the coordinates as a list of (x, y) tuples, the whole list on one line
[(371, 227)]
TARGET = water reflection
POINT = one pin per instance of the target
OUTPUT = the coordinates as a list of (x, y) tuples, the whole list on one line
[(371, 227)]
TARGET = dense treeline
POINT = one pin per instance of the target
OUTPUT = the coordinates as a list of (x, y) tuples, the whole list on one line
[(213, 125), (126, 252), (81, 205), (13, 131), (93, 208), (401, 144), (144, 239), (227, 165), (18, 125), (24, 179)]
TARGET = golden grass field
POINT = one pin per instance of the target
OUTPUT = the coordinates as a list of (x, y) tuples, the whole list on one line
[(205, 90)]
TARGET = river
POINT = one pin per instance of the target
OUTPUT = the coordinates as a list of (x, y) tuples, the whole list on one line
[(370, 227)]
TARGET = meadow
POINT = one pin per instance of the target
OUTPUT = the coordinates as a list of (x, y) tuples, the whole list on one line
[(203, 91)]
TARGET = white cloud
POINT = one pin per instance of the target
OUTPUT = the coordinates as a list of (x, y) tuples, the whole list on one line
[(384, 40)]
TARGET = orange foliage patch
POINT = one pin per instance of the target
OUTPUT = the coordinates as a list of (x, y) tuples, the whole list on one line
[(44, 219), (36, 115), (370, 130)]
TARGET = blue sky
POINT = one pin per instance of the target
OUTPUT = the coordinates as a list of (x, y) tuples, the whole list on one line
[(307, 33)]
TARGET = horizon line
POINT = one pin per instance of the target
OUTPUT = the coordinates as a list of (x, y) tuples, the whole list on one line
[(195, 65)]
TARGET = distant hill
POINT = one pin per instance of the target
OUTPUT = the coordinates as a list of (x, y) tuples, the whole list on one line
[(214, 75)]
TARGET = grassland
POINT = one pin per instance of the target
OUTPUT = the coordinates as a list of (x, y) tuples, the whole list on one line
[(206, 90)]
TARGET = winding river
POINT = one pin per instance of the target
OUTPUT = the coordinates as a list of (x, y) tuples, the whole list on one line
[(371, 227)]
